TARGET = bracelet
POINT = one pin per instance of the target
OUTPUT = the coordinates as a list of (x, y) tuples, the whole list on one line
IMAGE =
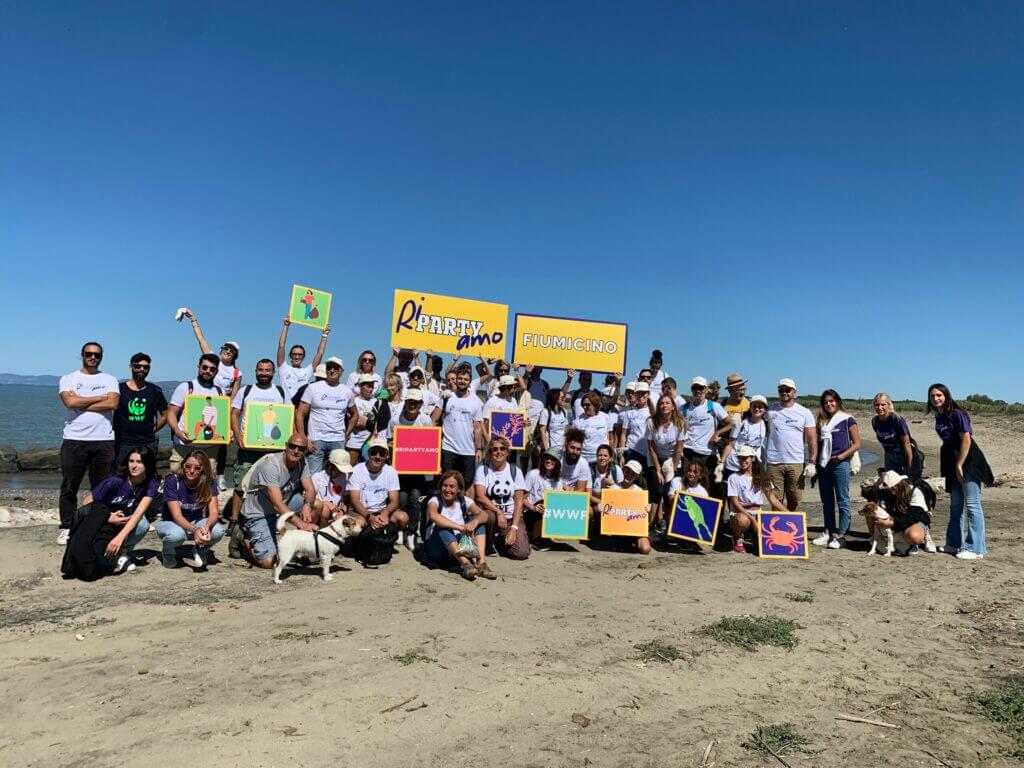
[(514, 527)]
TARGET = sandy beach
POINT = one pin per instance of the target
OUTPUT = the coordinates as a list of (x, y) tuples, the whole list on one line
[(407, 666)]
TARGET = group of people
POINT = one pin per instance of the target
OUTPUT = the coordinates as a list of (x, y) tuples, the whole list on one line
[(748, 452)]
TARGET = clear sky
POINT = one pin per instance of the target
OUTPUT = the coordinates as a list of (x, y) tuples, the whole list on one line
[(828, 191)]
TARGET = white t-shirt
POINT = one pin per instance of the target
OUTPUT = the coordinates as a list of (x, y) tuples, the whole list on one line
[(634, 421), (328, 408), (596, 429), (609, 479), (741, 486), (80, 424), (178, 399), (786, 436), (495, 403), (398, 419), (656, 379), (747, 433), (352, 377), (460, 413), (453, 512), (555, 422), (676, 484), (256, 395), (364, 408), (325, 488), (573, 473), (537, 485), (226, 375), (500, 485), (664, 439), (292, 378), (703, 420), (373, 489)]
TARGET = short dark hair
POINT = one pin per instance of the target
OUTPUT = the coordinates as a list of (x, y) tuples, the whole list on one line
[(139, 357), (209, 357), (464, 368), (91, 344), (575, 435), (266, 360), (297, 346)]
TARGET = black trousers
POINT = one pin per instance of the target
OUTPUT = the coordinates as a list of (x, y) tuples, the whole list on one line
[(466, 465), (76, 458), (413, 493)]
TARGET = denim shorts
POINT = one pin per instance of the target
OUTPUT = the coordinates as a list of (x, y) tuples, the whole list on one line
[(262, 533)]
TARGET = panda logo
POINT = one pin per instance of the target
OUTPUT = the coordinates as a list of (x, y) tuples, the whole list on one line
[(501, 492)]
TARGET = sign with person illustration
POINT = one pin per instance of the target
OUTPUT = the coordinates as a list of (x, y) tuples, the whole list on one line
[(569, 343), (309, 307), (206, 419), (694, 518), (510, 425), (782, 535), (268, 426), (624, 512), (448, 324), (566, 515), (417, 450)]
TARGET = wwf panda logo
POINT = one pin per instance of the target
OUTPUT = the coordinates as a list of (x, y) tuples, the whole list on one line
[(501, 492)]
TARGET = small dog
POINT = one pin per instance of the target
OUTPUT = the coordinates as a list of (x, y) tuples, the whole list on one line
[(292, 541), (873, 512)]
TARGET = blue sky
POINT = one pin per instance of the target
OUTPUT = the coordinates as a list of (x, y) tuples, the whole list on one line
[(832, 192)]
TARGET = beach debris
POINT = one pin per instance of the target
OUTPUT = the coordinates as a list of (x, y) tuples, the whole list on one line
[(581, 720), (879, 723), (705, 761), (421, 705), (399, 705), (143, 672), (291, 730), (79, 636), (1012, 479)]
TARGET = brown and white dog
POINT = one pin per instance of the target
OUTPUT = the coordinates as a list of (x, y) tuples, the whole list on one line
[(873, 512), (292, 541)]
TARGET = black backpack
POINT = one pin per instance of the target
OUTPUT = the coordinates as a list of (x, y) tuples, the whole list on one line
[(375, 546)]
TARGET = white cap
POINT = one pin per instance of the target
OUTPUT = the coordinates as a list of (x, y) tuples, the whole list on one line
[(668, 468), (759, 399), (746, 450), (234, 344), (414, 394), (699, 381), (506, 381), (631, 386), (320, 372), (336, 361), (377, 442), (365, 378), (891, 479), (642, 386), (339, 458), (418, 369), (787, 383), (634, 466)]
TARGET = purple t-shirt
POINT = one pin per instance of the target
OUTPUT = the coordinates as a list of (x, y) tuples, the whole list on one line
[(950, 428), (891, 431), (178, 490), (841, 436), (118, 494)]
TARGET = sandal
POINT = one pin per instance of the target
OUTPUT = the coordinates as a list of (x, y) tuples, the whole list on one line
[(484, 570)]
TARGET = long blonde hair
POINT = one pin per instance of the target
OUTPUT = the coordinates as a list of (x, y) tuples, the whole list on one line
[(675, 417), (394, 378)]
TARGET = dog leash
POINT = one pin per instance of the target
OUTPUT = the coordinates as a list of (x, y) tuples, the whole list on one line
[(329, 537)]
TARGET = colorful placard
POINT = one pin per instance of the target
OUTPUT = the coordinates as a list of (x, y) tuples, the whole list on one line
[(569, 343), (448, 324), (694, 518), (417, 450), (207, 419), (566, 515), (782, 535), (624, 512), (267, 426), (510, 425), (309, 307)]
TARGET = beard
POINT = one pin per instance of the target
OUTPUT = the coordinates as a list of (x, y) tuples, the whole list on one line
[(264, 381)]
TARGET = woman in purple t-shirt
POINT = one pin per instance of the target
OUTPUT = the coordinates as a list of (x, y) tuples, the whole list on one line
[(190, 511), (893, 433), (127, 493), (964, 468), (839, 441)]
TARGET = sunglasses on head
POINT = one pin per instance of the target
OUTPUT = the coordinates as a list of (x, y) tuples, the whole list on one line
[(296, 448)]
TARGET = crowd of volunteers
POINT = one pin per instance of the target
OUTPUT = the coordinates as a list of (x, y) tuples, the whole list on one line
[(581, 434)]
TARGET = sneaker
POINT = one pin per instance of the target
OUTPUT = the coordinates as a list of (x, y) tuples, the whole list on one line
[(169, 561), (740, 547), (821, 541), (966, 554), (929, 545), (196, 561), (124, 563), (62, 537), (410, 542), (913, 550), (220, 482), (836, 543), (951, 550)]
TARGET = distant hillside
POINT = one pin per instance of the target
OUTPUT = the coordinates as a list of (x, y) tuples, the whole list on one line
[(52, 381)]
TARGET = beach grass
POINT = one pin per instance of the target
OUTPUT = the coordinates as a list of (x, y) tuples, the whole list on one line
[(749, 632), (1005, 707)]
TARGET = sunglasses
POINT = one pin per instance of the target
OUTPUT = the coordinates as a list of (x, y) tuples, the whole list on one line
[(368, 360), (645, 378), (140, 367), (786, 389), (499, 449), (97, 355), (296, 448), (207, 368), (333, 367), (378, 452)]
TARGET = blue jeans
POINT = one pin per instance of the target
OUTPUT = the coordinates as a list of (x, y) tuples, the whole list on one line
[(834, 486), (441, 538), (315, 461), (174, 535), (960, 496), (131, 539)]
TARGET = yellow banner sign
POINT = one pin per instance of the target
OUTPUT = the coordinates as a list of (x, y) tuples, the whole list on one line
[(562, 342), (446, 324)]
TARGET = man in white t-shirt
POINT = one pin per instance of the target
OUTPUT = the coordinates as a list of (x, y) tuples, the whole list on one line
[(90, 398), (703, 418), (373, 490), (415, 489), (633, 423), (329, 405), (202, 384), (462, 435), (789, 426), (576, 474), (431, 403), (295, 373)]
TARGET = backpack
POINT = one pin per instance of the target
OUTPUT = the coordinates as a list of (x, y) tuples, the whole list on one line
[(215, 386), (615, 469), (375, 546), (711, 410), (927, 491), (512, 467), (248, 388)]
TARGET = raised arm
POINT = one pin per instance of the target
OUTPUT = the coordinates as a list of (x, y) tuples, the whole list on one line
[(392, 363), (203, 346), (282, 342), (322, 347)]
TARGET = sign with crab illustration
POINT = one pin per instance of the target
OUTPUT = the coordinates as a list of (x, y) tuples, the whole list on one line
[(782, 535), (510, 425), (694, 518)]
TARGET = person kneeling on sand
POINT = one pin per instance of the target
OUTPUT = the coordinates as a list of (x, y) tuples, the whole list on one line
[(499, 492), (374, 490), (906, 505), (546, 477), (454, 517), (190, 511), (748, 490)]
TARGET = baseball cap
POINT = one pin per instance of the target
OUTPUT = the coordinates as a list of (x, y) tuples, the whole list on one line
[(418, 369), (377, 442), (643, 386), (759, 399), (891, 479), (699, 381), (365, 378), (506, 381), (634, 466), (414, 394), (233, 345), (631, 386), (336, 361), (745, 450), (339, 458), (787, 383), (320, 372)]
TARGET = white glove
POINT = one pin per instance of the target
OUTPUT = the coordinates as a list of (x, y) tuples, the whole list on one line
[(719, 471), (180, 313), (810, 471), (668, 469)]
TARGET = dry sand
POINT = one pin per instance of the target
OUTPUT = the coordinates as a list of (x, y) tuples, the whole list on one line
[(224, 668)]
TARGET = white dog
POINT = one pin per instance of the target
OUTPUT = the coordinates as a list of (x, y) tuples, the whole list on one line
[(325, 543), (873, 513)]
